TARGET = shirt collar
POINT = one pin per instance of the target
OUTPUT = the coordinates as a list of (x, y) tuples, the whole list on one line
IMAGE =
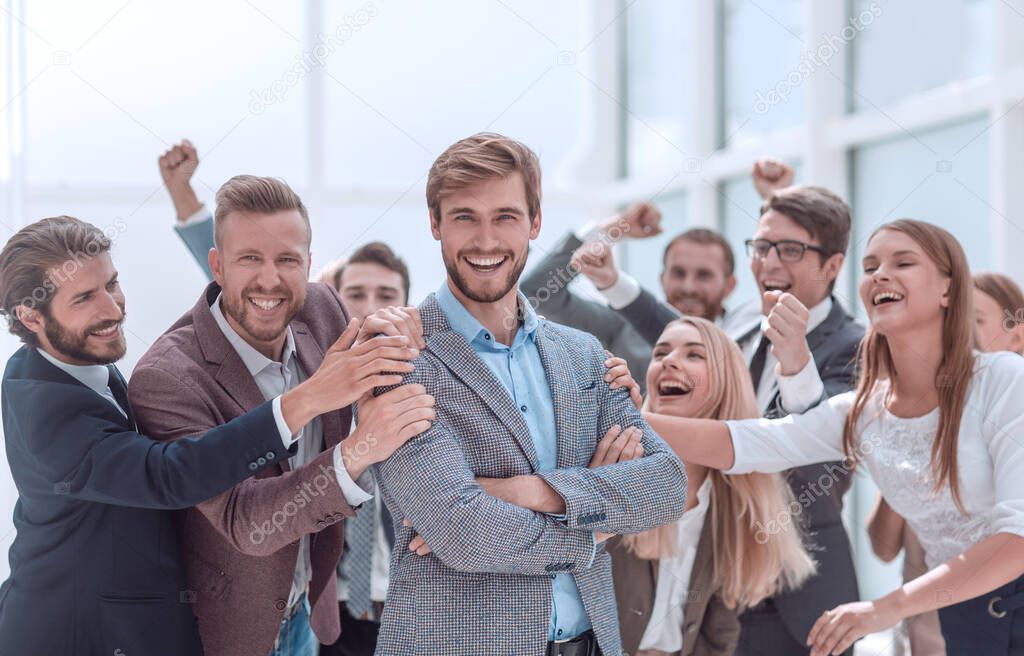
[(254, 361), (93, 376), (470, 327), (815, 316)]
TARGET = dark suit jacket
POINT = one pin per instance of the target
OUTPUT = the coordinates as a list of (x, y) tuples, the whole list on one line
[(710, 628), (95, 566), (819, 488), (546, 287), (240, 548)]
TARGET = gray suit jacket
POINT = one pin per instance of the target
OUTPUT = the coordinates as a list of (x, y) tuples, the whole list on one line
[(546, 286), (486, 588)]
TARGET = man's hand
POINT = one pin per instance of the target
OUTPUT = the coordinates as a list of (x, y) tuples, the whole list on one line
[(176, 168), (787, 331), (347, 373), (386, 422), (637, 221), (596, 261), (771, 174), (394, 321), (618, 375), (618, 445)]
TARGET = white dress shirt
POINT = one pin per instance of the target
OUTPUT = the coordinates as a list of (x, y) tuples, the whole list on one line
[(274, 379), (807, 380), (897, 453), (93, 376), (664, 630)]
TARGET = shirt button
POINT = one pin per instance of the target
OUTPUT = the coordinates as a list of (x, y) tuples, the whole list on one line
[(487, 337), (523, 408), (559, 632)]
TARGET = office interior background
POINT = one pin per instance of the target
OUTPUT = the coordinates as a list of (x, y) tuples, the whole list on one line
[(906, 108)]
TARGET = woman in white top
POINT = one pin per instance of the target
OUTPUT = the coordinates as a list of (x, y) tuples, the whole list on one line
[(680, 586), (939, 427)]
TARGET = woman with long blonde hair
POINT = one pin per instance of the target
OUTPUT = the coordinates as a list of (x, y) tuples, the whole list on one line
[(733, 547), (938, 426)]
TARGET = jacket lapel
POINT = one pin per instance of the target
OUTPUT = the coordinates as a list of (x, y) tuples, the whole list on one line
[(459, 357), (311, 356), (565, 396)]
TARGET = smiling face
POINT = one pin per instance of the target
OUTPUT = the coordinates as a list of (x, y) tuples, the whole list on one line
[(485, 232), (83, 323), (696, 278), (996, 328), (262, 265), (677, 378), (901, 288), (809, 279), (366, 287)]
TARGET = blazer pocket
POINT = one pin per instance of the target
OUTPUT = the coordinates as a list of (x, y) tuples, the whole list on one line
[(211, 580)]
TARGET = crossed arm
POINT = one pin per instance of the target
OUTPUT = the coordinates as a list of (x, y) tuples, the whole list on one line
[(469, 530)]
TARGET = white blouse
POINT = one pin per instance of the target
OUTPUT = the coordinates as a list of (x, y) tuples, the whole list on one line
[(664, 630), (897, 453)]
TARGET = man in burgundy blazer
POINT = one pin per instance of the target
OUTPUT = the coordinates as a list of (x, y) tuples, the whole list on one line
[(245, 551)]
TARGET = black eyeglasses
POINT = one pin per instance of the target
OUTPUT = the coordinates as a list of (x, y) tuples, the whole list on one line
[(788, 250)]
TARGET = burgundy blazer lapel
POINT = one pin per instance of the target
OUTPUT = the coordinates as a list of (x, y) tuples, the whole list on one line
[(311, 356)]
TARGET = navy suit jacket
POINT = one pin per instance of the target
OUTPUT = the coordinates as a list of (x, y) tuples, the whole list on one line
[(95, 567)]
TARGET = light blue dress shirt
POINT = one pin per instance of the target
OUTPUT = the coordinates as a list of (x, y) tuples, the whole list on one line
[(520, 370)]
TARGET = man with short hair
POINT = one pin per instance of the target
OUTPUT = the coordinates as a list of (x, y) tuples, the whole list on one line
[(95, 543), (521, 405), (261, 557), (372, 279)]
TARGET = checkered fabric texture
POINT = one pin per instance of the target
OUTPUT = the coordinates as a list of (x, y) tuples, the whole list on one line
[(486, 588)]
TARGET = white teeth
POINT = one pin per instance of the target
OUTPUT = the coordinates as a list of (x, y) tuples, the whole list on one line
[(106, 332), (265, 304), (775, 284), (672, 386), (882, 297), (485, 261)]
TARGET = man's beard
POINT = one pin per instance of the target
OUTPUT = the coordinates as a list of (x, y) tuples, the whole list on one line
[(463, 285), (76, 347), (709, 310), (238, 308)]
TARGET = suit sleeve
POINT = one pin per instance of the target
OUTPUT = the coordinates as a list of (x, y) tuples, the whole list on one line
[(169, 410), (81, 446), (434, 488), (625, 497), (198, 239), (547, 288), (648, 315)]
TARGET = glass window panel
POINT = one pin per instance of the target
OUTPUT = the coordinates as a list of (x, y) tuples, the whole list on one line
[(763, 88), (940, 176), (658, 128), (97, 113), (399, 93), (901, 53)]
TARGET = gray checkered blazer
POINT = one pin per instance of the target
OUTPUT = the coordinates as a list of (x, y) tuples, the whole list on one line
[(486, 588)]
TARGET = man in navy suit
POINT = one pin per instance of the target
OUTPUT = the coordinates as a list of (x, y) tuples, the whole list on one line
[(95, 544)]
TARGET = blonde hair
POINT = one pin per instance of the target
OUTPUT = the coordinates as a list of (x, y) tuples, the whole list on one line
[(747, 567), (953, 377), (481, 157)]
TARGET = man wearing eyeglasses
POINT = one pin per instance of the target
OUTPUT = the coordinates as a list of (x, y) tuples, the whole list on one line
[(804, 338)]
